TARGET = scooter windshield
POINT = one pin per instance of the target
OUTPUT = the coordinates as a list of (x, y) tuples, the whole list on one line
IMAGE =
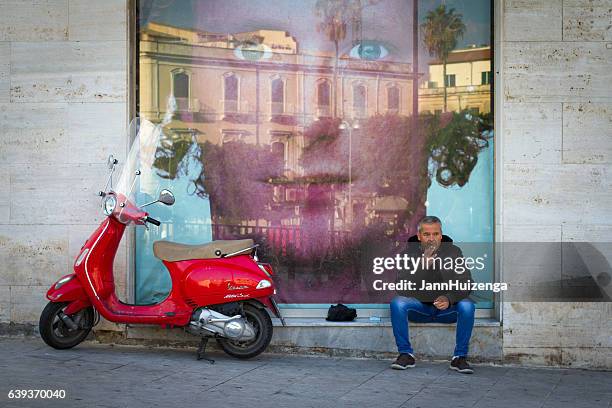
[(163, 156), (136, 186)]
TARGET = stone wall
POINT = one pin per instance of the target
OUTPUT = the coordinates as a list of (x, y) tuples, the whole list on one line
[(556, 152), (63, 83), (63, 88)]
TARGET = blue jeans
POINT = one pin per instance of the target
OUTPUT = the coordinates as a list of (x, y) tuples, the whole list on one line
[(404, 309)]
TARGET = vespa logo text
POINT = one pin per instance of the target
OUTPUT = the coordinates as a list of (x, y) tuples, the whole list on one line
[(235, 295)]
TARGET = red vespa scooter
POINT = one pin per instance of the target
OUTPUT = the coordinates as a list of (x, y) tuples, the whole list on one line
[(219, 289)]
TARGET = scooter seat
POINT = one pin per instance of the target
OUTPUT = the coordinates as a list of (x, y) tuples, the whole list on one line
[(173, 251)]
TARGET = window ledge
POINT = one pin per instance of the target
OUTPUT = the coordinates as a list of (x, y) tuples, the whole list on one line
[(365, 322)]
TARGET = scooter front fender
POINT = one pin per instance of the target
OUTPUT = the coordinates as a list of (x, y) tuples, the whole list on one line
[(68, 291), (71, 292)]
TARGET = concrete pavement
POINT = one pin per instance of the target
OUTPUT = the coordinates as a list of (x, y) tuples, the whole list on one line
[(102, 375)]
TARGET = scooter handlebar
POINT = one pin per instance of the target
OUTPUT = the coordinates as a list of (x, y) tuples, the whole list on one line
[(152, 221)]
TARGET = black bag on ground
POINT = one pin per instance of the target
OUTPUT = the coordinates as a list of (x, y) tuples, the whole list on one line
[(341, 313)]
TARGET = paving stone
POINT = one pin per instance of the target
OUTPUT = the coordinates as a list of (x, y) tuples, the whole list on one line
[(121, 376)]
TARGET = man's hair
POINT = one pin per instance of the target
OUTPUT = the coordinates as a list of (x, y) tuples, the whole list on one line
[(429, 219)]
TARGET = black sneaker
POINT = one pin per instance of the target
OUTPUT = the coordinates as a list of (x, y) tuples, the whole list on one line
[(403, 362), (460, 364)]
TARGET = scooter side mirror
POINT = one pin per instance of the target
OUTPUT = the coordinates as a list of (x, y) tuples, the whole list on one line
[(166, 197), (111, 162)]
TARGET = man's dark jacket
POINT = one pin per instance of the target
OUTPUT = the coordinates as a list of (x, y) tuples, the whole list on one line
[(434, 274)]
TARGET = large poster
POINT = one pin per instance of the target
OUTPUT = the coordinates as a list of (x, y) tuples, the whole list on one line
[(318, 129)]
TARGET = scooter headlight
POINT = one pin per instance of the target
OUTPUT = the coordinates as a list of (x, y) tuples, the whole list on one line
[(109, 204)]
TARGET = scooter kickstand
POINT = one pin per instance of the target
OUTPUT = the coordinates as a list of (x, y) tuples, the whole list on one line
[(202, 350)]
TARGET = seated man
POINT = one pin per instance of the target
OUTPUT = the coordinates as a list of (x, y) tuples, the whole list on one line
[(427, 305)]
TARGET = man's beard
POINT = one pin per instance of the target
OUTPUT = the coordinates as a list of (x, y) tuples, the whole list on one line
[(430, 246)]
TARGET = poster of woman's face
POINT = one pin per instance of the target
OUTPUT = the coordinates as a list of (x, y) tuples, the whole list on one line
[(324, 128)]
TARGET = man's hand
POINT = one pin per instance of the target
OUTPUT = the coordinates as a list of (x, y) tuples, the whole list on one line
[(441, 302), (428, 253)]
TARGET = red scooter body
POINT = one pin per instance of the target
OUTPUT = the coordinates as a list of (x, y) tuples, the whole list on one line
[(195, 283), (218, 290)]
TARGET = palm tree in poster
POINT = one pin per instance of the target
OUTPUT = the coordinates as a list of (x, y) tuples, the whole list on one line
[(333, 24), (441, 30), (335, 16)]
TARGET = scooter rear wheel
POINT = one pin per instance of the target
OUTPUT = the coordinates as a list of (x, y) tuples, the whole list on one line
[(56, 333), (262, 323)]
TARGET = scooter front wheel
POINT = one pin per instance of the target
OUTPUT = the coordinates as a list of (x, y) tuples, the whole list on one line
[(262, 324), (56, 333)]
